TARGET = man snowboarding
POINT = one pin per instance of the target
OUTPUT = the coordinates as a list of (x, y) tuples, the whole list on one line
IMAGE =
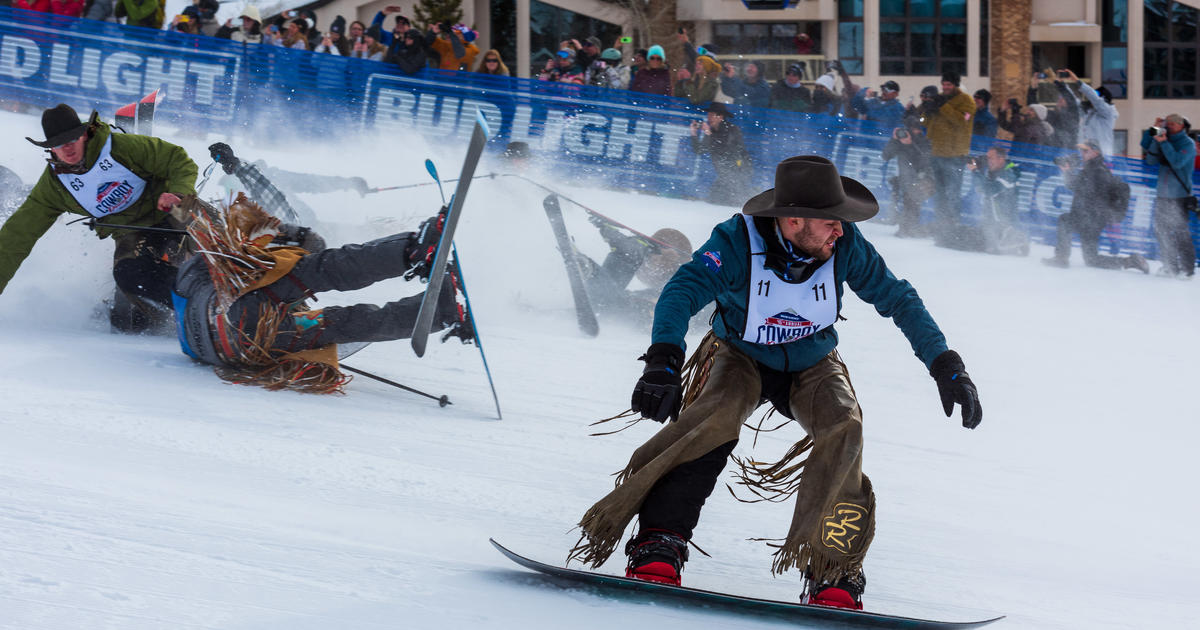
[(777, 273), (117, 179), (240, 304)]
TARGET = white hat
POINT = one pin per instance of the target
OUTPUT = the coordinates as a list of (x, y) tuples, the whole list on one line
[(251, 12), (826, 81), (1040, 110)]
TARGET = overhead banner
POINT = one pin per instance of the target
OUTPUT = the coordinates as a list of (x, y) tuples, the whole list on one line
[(615, 137)]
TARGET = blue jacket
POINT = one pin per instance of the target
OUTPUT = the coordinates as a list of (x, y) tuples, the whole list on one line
[(756, 94), (719, 270), (1178, 152), (889, 113), (985, 124)]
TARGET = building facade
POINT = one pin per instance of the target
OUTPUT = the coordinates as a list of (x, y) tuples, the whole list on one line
[(1144, 51)]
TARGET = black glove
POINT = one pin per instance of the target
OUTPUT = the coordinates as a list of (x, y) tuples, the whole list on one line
[(223, 155), (955, 386), (658, 394)]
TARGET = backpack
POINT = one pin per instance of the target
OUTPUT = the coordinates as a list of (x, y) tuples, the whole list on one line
[(1118, 198)]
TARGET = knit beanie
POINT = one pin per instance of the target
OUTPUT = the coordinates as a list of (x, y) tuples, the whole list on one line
[(656, 50), (826, 81)]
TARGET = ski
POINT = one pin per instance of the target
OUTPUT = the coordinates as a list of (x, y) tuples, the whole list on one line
[(790, 611), (470, 319), (584, 312), (424, 323)]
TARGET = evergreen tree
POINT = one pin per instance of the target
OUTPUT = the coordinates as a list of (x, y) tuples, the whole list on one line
[(427, 12)]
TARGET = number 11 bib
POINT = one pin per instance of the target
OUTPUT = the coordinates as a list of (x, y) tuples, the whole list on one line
[(778, 311)]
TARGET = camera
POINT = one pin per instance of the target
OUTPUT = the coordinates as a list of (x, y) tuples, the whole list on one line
[(977, 161), (833, 65), (901, 133), (445, 27), (1063, 74), (1014, 104), (1156, 131), (1069, 161)]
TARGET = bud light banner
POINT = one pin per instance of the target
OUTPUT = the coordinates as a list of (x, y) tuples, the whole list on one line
[(620, 138)]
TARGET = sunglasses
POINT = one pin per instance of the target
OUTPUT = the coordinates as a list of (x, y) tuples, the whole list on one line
[(491, 61), (653, 57)]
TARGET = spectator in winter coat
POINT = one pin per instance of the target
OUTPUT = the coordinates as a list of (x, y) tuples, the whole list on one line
[(948, 125), (604, 72), (985, 123), (706, 80), (369, 47), (913, 183), (751, 89), (1066, 115), (32, 5), (655, 77), (1095, 191), (399, 28), (999, 230), (100, 10), (1099, 115), (722, 141), (334, 41), (455, 50), (250, 32), (295, 35), (1026, 125), (491, 63), (410, 53), (147, 13), (1175, 154), (824, 99), (789, 94), (561, 68), (204, 14), (883, 108), (683, 83), (68, 8)]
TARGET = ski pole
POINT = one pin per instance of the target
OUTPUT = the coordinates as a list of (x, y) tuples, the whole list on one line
[(93, 224), (445, 181), (596, 213), (442, 401)]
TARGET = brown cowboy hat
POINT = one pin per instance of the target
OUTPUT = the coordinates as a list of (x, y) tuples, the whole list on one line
[(61, 125), (808, 186)]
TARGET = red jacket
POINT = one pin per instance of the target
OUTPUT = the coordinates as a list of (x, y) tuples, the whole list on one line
[(32, 5), (69, 8)]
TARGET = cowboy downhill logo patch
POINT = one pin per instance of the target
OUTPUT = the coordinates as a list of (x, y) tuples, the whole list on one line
[(112, 196), (713, 260), (785, 326)]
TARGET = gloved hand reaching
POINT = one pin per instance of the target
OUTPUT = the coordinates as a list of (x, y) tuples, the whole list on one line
[(222, 154), (658, 394), (955, 386)]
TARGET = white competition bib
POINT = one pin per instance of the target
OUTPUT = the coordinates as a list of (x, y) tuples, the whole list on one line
[(778, 311), (108, 188)]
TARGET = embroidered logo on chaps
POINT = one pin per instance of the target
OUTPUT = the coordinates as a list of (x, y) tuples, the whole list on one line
[(841, 528)]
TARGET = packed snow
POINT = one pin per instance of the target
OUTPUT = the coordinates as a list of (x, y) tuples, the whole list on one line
[(138, 490)]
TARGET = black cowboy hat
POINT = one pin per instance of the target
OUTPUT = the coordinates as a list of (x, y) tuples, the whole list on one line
[(62, 125), (808, 186)]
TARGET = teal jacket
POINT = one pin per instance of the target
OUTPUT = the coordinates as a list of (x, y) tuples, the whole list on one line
[(1178, 154), (719, 270)]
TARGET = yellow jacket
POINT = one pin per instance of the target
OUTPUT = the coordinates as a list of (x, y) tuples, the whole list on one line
[(949, 128)]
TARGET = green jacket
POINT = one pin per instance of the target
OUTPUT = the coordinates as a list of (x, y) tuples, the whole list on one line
[(165, 167)]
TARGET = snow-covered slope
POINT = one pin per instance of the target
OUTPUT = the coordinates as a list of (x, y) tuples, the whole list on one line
[(137, 490)]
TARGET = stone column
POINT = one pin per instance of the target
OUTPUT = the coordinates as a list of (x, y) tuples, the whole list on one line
[(1010, 56)]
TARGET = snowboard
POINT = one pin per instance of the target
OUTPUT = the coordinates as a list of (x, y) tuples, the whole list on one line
[(791, 611), (584, 312)]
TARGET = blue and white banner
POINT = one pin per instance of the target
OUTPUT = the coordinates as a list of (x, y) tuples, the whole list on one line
[(621, 138)]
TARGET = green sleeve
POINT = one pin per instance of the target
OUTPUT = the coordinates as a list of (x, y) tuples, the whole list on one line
[(156, 159), (27, 224), (138, 10)]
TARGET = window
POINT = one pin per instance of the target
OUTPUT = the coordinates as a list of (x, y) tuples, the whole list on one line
[(1114, 54), (850, 35), (923, 36), (549, 25), (763, 38), (1170, 62), (983, 38)]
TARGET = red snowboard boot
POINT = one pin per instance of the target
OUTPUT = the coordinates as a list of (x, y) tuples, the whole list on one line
[(845, 592), (656, 555)]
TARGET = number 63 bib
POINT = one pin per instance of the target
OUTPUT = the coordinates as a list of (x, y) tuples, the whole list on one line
[(108, 188)]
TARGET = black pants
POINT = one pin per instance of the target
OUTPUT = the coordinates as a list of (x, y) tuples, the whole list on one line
[(347, 268), (1175, 246), (1089, 241)]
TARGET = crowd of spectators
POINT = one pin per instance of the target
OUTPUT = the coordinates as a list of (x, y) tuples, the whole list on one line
[(930, 138)]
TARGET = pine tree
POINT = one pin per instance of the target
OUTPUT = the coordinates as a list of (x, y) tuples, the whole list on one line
[(427, 12)]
